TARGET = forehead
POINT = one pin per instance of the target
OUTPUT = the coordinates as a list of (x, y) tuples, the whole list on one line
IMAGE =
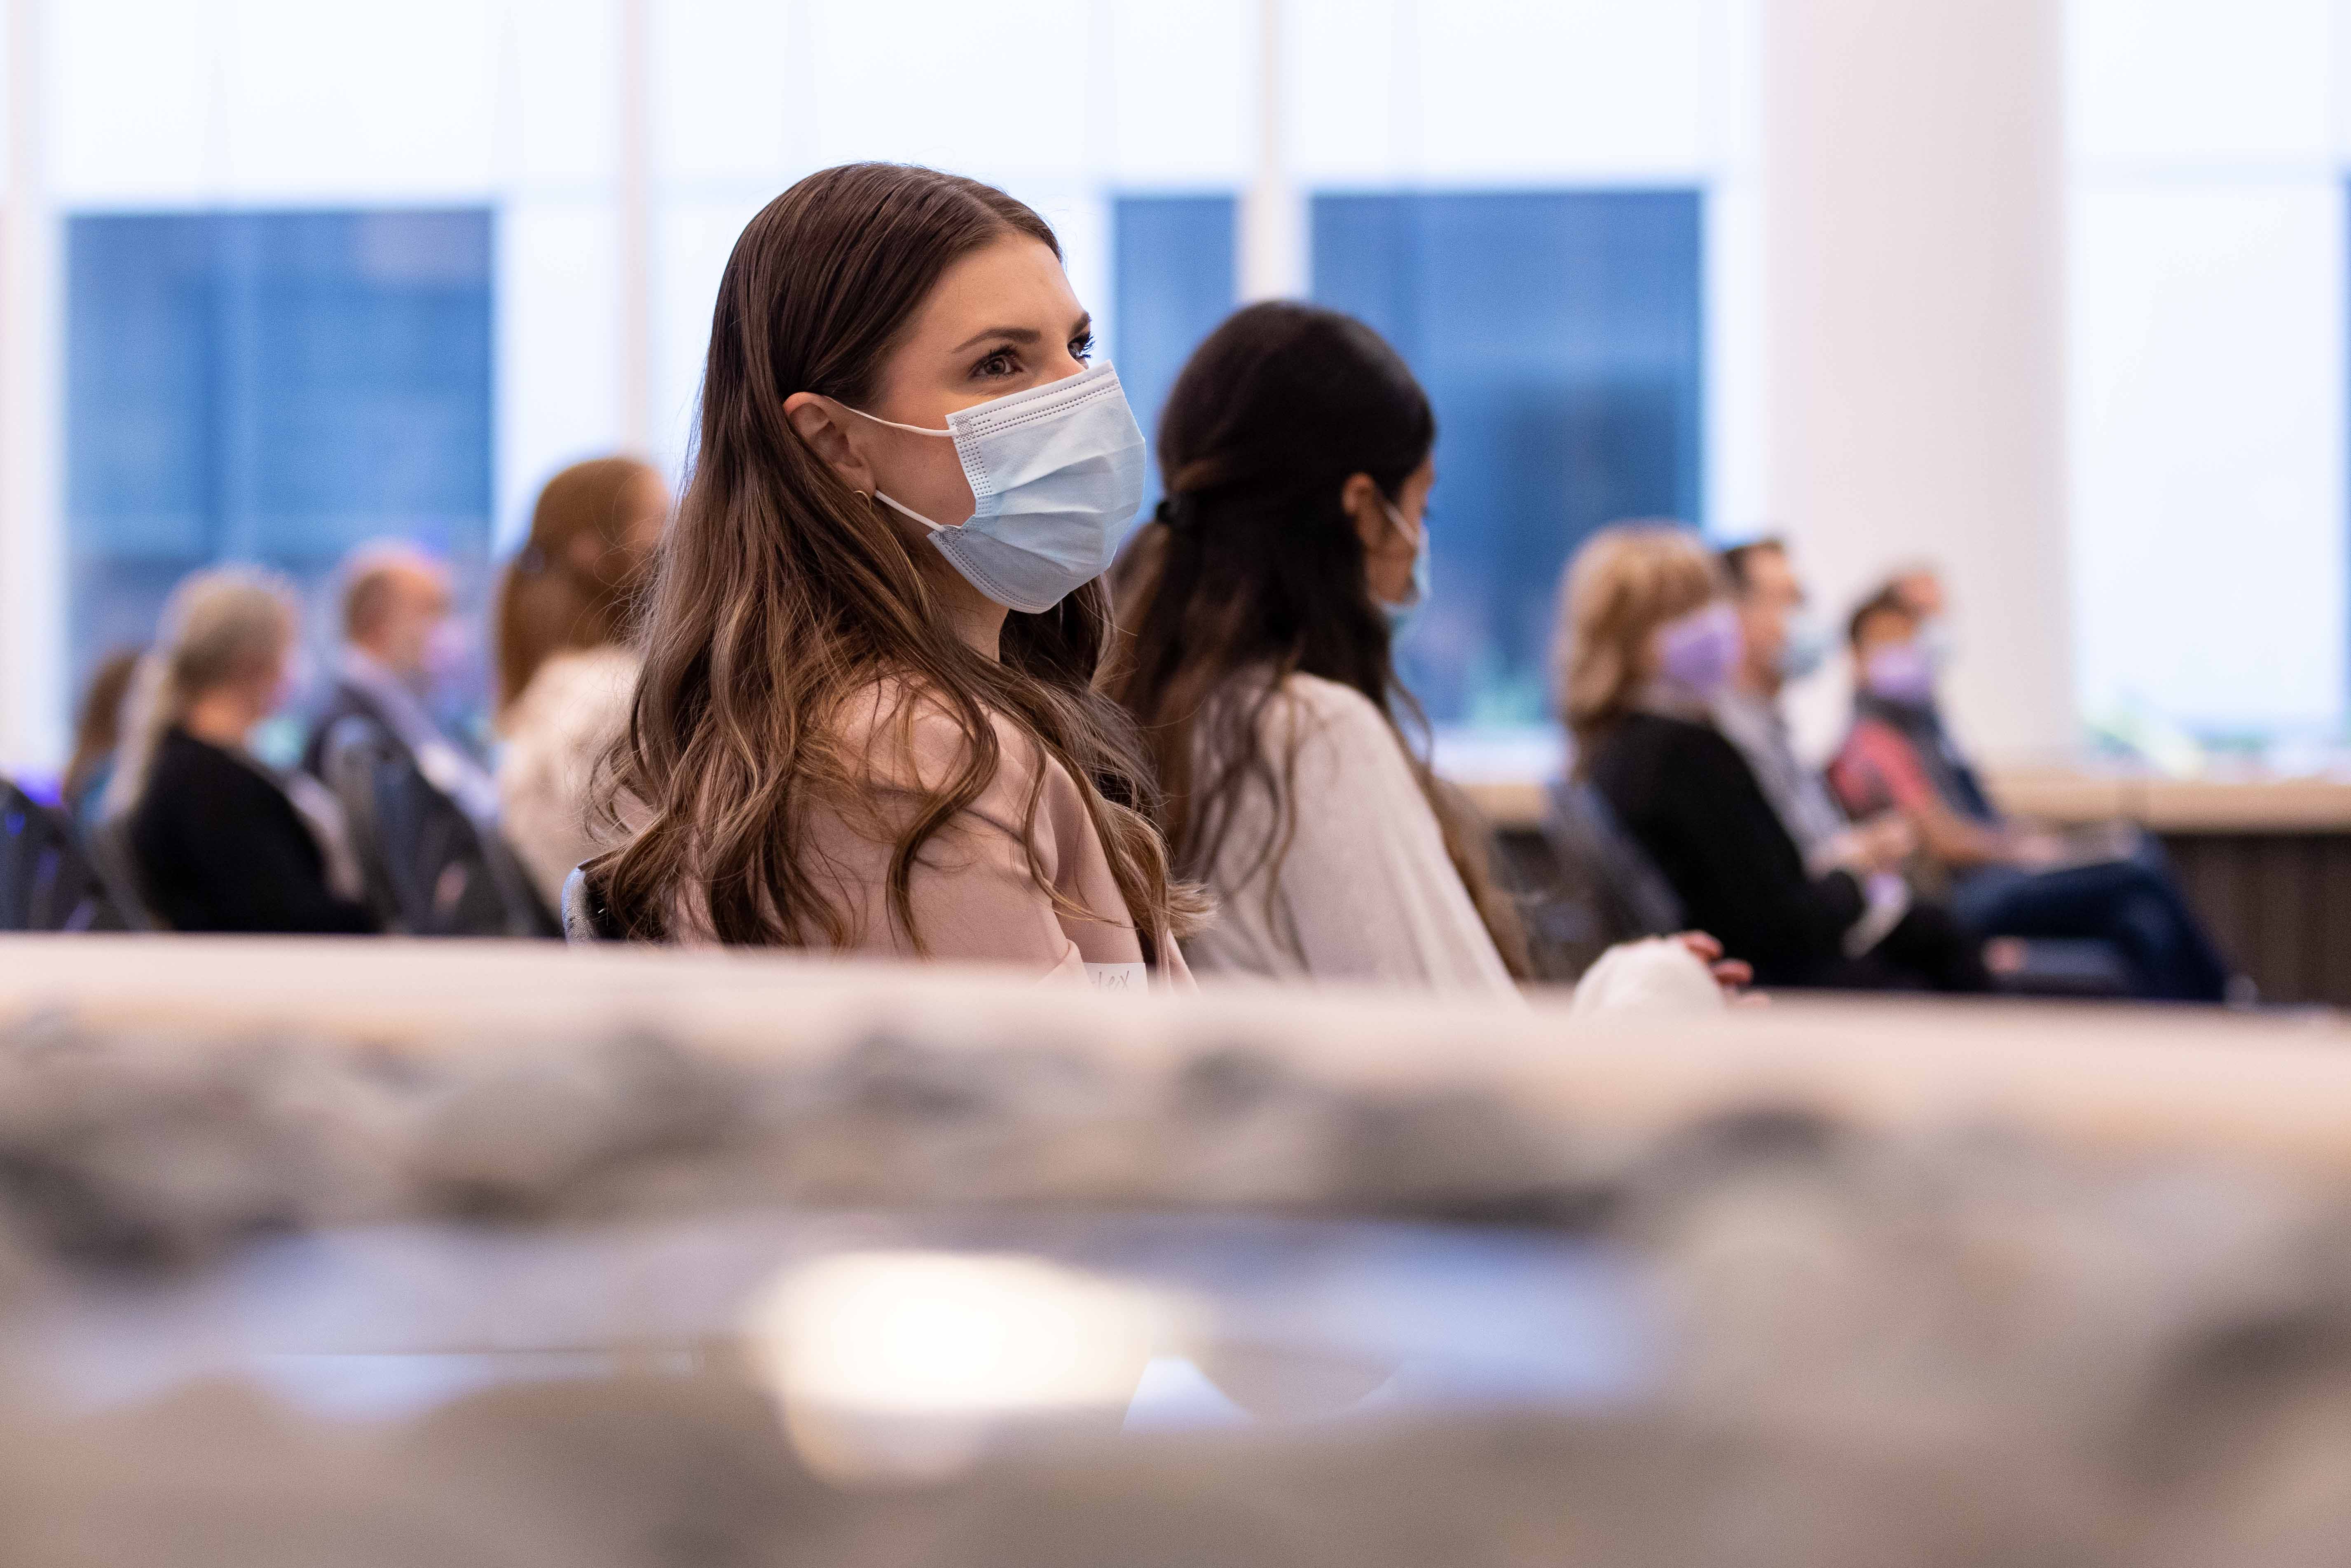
[(1887, 620), (1769, 570), (1013, 281), (420, 581)]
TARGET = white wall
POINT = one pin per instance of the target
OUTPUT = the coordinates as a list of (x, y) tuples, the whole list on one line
[(2207, 388), (1915, 284)]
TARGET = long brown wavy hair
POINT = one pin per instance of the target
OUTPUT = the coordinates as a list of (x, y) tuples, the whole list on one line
[(1252, 571), (781, 595), (572, 582)]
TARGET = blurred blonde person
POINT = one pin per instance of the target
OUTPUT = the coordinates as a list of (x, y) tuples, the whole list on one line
[(566, 670), (97, 730), (219, 842)]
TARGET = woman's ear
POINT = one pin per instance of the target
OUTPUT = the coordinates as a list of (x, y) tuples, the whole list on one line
[(827, 436), (1360, 498)]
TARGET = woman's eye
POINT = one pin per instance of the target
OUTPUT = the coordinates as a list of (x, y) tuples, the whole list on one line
[(1082, 348), (1003, 362)]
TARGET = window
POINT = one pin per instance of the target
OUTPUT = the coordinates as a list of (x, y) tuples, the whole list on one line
[(1560, 335), (1174, 284), (274, 387)]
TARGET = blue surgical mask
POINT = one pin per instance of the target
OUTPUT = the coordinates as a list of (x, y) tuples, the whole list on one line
[(1805, 648), (1400, 616), (1056, 473), (1936, 641)]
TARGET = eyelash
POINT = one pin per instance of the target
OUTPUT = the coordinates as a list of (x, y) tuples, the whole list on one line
[(1081, 349)]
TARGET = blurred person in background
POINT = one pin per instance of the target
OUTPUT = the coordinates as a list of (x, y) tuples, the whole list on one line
[(868, 720), (97, 729), (425, 809), (399, 635), (1258, 610), (217, 842), (566, 670), (1781, 643), (1649, 640), (2005, 878)]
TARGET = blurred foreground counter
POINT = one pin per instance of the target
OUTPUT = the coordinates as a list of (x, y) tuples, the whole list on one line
[(401, 1254), (2129, 1077), (2266, 861)]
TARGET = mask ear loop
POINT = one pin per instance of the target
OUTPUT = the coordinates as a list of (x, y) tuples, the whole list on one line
[(911, 429), (1395, 516)]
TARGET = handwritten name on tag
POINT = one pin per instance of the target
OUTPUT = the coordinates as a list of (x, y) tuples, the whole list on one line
[(1119, 977)]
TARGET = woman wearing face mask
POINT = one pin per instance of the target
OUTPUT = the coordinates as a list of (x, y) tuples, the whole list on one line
[(2005, 878), (218, 843), (867, 719), (1259, 608), (1648, 643)]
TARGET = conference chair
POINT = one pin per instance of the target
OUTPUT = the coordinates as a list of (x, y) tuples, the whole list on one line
[(47, 881), (111, 856), (1629, 896), (585, 918), (428, 870)]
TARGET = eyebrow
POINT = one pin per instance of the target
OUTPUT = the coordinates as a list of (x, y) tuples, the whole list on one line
[(1023, 335)]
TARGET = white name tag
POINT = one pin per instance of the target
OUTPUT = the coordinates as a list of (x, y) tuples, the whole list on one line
[(1119, 977)]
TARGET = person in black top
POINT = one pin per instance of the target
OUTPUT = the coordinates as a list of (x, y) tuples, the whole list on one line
[(218, 845), (1649, 639)]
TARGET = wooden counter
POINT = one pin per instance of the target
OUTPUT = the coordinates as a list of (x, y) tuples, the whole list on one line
[(2072, 797), (2167, 806)]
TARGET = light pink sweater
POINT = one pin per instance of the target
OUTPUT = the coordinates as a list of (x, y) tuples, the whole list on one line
[(975, 894)]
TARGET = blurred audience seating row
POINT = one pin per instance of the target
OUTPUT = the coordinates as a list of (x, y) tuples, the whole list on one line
[(2266, 861)]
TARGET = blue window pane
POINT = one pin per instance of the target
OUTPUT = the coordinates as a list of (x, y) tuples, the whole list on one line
[(270, 386), (1561, 336), (1174, 282)]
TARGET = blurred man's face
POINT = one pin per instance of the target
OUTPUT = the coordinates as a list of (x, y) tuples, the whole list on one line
[(1885, 629), (1771, 601), (1922, 590), (414, 611), (1889, 661)]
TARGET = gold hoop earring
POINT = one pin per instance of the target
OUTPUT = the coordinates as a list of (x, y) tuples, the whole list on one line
[(861, 496)]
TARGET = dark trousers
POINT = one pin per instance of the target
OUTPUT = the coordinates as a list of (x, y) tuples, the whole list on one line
[(1928, 950), (2135, 905)]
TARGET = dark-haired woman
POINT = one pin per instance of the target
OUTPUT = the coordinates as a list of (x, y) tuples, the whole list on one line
[(867, 719), (1259, 606)]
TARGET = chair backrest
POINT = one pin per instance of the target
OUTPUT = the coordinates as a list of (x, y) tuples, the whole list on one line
[(110, 855), (47, 881), (356, 750), (526, 906), (1637, 898), (429, 868), (585, 919)]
